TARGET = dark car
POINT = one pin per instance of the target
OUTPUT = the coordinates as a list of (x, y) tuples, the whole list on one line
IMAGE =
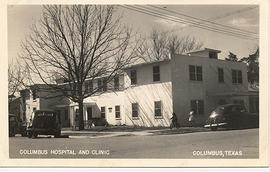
[(45, 122), (232, 116), (14, 126)]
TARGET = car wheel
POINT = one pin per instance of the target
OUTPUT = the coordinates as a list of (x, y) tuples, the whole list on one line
[(34, 135), (57, 134), (29, 134), (214, 128)]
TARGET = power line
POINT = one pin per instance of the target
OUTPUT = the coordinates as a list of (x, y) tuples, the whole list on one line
[(199, 24), (155, 14), (203, 20)]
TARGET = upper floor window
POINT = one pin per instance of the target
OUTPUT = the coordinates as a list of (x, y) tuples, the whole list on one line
[(88, 86), (135, 110), (156, 73), (212, 55), (104, 84), (197, 106), (220, 75), (116, 83), (133, 77), (195, 73), (99, 84), (237, 77), (158, 110)]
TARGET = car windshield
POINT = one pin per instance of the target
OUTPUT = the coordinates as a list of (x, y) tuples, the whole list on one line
[(219, 110), (44, 119)]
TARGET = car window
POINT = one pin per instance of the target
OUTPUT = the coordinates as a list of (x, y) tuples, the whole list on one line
[(12, 118)]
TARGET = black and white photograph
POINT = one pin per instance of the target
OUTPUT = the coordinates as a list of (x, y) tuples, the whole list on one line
[(136, 81)]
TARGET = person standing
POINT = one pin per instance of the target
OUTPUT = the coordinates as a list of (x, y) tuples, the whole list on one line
[(191, 118), (174, 121)]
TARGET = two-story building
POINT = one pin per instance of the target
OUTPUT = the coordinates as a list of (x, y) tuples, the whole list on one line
[(147, 94)]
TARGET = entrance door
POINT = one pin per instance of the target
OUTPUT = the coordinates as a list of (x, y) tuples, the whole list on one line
[(89, 113)]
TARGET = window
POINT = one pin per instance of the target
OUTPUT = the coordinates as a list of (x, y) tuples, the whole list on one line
[(195, 73), (236, 76), (104, 84), (135, 113), (76, 114), (239, 102), (66, 114), (34, 93), (212, 55), (34, 109), (156, 73), (116, 83), (99, 85), (197, 106), (220, 75), (133, 77), (88, 86), (158, 111), (103, 112), (117, 112)]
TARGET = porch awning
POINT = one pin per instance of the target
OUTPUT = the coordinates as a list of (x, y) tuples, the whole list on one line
[(85, 104), (61, 106), (233, 94)]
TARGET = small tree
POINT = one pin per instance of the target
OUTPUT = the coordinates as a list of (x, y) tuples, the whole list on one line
[(77, 43), (252, 62), (231, 57), (161, 44), (17, 76)]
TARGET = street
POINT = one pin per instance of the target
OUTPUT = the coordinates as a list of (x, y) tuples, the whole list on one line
[(220, 144)]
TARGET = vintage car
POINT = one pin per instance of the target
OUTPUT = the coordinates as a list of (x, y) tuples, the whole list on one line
[(45, 122), (232, 116)]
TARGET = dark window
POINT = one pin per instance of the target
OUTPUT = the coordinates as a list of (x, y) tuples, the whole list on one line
[(158, 111), (156, 73), (76, 114), (66, 114), (88, 86), (133, 77), (99, 85), (135, 112), (239, 102), (117, 112), (220, 75), (212, 55), (237, 77), (34, 93), (195, 73), (103, 112), (34, 109), (104, 84), (116, 83), (197, 106)]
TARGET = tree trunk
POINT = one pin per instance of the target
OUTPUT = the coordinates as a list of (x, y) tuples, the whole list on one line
[(81, 123)]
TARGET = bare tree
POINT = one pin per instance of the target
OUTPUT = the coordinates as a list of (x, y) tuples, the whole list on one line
[(17, 76), (160, 44), (78, 43)]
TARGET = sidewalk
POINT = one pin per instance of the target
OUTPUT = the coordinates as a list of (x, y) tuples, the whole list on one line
[(144, 132)]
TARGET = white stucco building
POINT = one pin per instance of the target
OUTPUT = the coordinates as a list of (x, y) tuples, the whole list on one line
[(147, 94)]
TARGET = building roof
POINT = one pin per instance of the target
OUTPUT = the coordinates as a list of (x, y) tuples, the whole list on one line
[(148, 63), (205, 49)]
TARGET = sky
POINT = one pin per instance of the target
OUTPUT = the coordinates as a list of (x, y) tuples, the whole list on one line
[(246, 17)]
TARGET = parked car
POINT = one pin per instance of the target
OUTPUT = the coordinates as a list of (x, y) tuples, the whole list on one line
[(232, 116), (45, 122), (14, 126)]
